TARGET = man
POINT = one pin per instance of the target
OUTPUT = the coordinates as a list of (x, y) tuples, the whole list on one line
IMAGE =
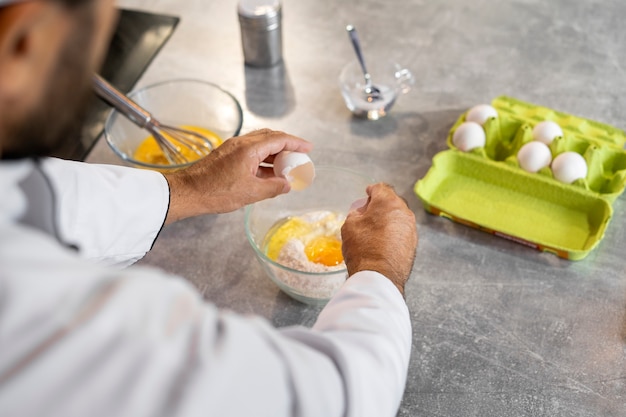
[(80, 337)]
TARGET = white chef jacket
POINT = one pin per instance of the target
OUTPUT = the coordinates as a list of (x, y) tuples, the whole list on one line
[(80, 336)]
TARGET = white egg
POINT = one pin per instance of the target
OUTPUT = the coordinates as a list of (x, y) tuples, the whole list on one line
[(480, 114), (546, 131), (534, 156), (567, 167), (296, 167), (469, 135)]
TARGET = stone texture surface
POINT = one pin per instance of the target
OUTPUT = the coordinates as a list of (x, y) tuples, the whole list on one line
[(499, 329)]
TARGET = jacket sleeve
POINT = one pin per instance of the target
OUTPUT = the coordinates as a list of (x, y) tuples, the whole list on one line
[(111, 213), (366, 330), (139, 343)]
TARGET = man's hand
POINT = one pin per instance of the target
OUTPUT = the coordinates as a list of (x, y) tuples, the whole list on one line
[(230, 176), (381, 236)]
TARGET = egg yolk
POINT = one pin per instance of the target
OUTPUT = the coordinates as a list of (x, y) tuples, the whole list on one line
[(321, 243), (149, 151), (324, 250), (293, 227)]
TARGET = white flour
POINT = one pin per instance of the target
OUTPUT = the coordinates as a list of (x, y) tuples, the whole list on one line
[(292, 255)]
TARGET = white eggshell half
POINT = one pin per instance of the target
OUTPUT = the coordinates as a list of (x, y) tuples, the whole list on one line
[(469, 135), (480, 114), (534, 156), (296, 167), (568, 167), (546, 131)]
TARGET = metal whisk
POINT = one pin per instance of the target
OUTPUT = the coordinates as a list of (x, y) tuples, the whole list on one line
[(189, 139)]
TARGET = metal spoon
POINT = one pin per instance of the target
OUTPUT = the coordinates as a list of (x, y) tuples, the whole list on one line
[(371, 91)]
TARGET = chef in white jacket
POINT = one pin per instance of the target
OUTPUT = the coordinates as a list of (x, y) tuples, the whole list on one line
[(82, 336)]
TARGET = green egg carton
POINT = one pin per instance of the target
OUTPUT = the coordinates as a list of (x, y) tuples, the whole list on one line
[(486, 189)]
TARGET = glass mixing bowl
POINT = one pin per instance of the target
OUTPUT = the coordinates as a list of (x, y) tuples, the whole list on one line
[(334, 189), (181, 102)]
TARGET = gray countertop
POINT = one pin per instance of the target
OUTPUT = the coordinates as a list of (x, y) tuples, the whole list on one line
[(498, 329)]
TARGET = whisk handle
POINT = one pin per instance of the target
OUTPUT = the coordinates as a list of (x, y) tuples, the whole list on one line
[(120, 101)]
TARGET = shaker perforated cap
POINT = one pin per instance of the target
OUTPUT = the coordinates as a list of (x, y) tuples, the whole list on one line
[(258, 8)]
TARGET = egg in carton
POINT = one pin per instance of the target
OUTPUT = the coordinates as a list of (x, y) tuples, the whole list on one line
[(551, 200)]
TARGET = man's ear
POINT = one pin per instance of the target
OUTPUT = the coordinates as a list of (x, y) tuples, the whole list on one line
[(30, 34)]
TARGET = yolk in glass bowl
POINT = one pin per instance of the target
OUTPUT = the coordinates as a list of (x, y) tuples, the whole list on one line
[(318, 231), (325, 250), (149, 151)]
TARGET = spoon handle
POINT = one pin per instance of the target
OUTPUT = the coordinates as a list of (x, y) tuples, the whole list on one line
[(357, 48)]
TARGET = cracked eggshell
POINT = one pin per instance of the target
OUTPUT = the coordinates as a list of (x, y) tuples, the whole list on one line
[(534, 156), (480, 114), (546, 131), (296, 167), (469, 135)]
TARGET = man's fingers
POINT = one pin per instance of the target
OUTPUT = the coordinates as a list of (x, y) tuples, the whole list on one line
[(265, 172), (272, 142), (273, 186), (381, 192)]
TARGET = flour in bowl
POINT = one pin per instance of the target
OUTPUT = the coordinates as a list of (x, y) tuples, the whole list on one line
[(310, 243)]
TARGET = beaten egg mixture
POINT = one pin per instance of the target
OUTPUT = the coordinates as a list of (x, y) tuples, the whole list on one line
[(149, 151), (310, 242)]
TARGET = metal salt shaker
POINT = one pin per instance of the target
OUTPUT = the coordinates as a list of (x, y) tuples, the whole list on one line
[(261, 36)]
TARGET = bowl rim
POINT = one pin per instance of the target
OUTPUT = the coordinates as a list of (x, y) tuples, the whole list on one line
[(263, 256), (138, 91)]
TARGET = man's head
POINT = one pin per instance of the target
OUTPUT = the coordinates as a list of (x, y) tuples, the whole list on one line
[(48, 51)]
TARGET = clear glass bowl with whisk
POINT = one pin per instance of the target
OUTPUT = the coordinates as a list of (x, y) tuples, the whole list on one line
[(178, 102)]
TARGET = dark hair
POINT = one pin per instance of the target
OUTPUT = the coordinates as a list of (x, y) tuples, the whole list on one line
[(72, 3), (67, 3)]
